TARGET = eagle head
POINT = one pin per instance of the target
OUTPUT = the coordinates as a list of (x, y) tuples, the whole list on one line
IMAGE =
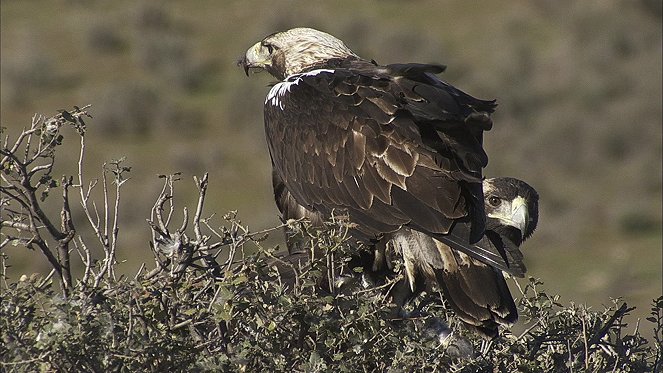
[(512, 203), (294, 51)]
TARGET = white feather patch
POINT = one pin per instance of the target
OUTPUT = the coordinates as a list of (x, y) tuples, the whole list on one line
[(281, 88)]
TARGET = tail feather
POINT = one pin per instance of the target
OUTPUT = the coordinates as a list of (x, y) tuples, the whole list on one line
[(476, 291)]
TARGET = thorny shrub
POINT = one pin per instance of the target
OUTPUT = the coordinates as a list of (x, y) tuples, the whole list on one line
[(217, 299)]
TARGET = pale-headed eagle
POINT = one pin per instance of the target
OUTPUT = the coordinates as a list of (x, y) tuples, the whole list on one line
[(396, 149)]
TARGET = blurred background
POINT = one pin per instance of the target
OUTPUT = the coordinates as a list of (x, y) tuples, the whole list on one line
[(578, 84)]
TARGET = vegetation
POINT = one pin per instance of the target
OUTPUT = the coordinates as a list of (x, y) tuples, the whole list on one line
[(578, 86), (579, 92), (215, 297)]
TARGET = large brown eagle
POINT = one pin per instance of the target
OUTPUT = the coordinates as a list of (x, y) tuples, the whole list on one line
[(397, 150)]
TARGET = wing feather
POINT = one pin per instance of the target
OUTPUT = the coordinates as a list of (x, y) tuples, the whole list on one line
[(357, 153), (393, 147), (377, 185)]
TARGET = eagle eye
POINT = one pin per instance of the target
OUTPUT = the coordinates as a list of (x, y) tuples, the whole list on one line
[(494, 201), (270, 48)]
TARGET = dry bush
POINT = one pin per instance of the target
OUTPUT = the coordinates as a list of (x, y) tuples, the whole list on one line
[(216, 299)]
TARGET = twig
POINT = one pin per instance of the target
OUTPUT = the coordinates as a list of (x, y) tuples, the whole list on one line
[(22, 362), (67, 226)]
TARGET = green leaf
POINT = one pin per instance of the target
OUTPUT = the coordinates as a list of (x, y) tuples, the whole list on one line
[(190, 312)]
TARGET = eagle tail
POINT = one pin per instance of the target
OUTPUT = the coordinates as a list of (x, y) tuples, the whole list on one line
[(476, 292)]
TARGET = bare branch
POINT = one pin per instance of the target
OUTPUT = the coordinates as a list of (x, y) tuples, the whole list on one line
[(85, 196), (104, 183), (185, 220), (202, 191), (171, 186), (116, 226), (84, 254), (35, 206), (22, 137), (15, 225), (48, 254), (43, 167), (67, 226), (158, 211), (46, 279)]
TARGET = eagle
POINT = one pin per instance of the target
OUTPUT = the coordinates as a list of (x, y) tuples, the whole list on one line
[(511, 207), (476, 292), (394, 148)]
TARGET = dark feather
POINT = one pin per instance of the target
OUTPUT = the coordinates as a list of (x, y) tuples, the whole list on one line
[(477, 292), (397, 148)]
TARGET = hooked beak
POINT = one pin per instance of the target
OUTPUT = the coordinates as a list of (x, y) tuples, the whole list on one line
[(255, 58), (519, 215), (244, 65)]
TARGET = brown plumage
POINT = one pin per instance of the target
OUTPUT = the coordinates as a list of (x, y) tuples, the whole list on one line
[(393, 147), (476, 291)]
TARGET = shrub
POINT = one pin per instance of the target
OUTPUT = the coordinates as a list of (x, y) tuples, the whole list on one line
[(216, 299)]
